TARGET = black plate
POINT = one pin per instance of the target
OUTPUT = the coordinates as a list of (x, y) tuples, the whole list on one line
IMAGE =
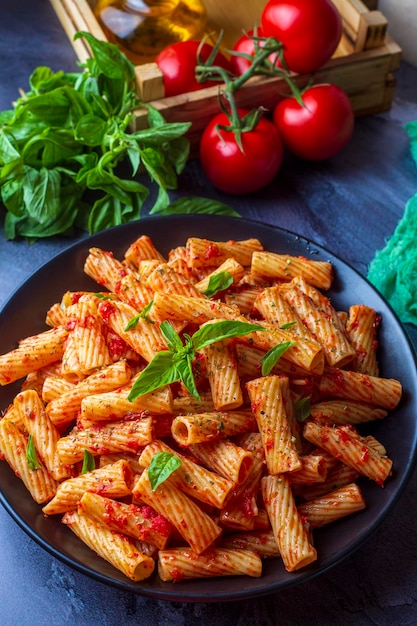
[(24, 315)]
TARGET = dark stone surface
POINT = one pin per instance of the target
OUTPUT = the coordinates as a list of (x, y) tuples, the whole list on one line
[(350, 205)]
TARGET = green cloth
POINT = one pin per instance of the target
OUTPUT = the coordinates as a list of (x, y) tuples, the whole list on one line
[(393, 271)]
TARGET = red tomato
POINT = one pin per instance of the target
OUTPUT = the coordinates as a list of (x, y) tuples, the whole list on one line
[(309, 30), (239, 65), (320, 128), (177, 63), (234, 171)]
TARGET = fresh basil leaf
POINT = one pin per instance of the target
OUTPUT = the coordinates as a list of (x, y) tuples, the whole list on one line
[(31, 456), (109, 59), (302, 409), (12, 196), (8, 152), (62, 222), (185, 369), (41, 194), (161, 202), (88, 162), (104, 214), (273, 355), (6, 116), (162, 465), (158, 168), (159, 372), (158, 135), (133, 153), (172, 338), (90, 130), (154, 117), (226, 329), (132, 323), (191, 205), (102, 296), (89, 463), (52, 108), (288, 326), (218, 282), (177, 153), (41, 77), (50, 148)]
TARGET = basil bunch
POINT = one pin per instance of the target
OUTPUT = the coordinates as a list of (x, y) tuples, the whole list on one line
[(63, 144), (175, 364)]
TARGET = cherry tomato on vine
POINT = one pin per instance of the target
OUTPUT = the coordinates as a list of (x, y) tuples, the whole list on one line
[(235, 171), (309, 30), (320, 128), (178, 62), (246, 45)]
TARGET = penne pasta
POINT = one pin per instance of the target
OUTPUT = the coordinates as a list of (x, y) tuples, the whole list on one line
[(45, 435), (333, 506), (139, 522), (13, 448), (231, 447), (128, 435), (361, 327), (285, 267), (346, 412), (380, 392), (350, 448), (112, 546), (224, 458), (322, 321), (261, 542), (32, 354), (114, 480), (268, 405), (195, 526), (287, 524), (193, 479), (63, 410), (203, 252), (142, 249), (201, 427), (102, 267), (178, 564), (222, 372)]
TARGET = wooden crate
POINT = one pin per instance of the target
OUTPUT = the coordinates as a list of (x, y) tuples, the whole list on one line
[(363, 64)]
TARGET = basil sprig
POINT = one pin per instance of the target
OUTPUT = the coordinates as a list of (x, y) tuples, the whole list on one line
[(68, 156), (175, 364)]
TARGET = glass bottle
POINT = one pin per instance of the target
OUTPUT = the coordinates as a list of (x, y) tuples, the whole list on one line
[(142, 28)]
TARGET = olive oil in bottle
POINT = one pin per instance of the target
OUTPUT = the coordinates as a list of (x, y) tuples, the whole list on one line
[(142, 28)]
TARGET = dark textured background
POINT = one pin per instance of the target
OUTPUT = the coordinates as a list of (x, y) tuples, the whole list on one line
[(350, 205)]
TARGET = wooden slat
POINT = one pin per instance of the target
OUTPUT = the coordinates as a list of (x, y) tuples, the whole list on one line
[(365, 28), (80, 47)]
